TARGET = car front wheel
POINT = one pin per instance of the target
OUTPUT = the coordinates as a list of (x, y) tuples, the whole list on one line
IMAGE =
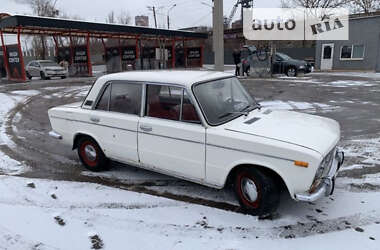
[(91, 155), (43, 76), (291, 72), (256, 191)]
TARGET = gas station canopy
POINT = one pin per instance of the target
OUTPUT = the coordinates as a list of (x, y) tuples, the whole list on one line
[(32, 25)]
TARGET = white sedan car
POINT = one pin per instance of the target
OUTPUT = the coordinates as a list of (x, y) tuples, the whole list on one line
[(204, 127), (45, 69)]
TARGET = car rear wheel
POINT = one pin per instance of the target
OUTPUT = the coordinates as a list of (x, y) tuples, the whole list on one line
[(256, 191), (291, 72), (91, 155)]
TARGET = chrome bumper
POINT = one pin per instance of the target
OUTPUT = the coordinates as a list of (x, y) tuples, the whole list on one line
[(55, 135), (328, 184)]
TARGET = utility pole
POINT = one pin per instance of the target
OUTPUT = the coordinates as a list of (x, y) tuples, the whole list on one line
[(153, 8), (218, 35), (174, 5), (155, 18)]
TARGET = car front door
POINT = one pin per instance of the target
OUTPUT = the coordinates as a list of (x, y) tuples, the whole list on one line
[(170, 135), (115, 118)]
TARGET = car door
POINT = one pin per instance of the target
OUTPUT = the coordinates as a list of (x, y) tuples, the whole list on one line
[(115, 119), (278, 65), (170, 135)]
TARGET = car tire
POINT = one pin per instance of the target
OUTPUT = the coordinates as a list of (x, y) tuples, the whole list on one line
[(43, 76), (291, 72), (28, 75), (256, 191), (91, 155)]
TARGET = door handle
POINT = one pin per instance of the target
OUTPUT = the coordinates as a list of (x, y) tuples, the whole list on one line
[(146, 128), (95, 119)]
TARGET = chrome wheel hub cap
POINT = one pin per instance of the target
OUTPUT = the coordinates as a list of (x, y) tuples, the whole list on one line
[(90, 152), (249, 189)]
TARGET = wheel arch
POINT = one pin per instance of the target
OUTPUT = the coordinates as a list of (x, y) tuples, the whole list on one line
[(80, 135), (266, 170)]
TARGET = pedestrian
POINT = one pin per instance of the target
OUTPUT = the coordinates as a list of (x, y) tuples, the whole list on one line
[(237, 60)]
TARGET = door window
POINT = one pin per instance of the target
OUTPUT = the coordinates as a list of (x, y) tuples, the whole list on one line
[(327, 51), (125, 98), (103, 103), (163, 102), (189, 113)]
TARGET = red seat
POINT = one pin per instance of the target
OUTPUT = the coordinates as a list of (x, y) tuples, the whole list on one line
[(156, 109)]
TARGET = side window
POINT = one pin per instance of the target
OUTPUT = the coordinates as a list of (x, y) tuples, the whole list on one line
[(126, 98), (163, 102), (104, 100), (189, 113)]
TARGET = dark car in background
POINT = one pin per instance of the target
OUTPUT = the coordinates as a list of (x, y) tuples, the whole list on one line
[(284, 64)]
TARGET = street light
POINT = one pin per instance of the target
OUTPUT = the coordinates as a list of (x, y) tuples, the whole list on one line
[(174, 5)]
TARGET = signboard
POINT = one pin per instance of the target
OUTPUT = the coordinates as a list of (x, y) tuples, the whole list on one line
[(149, 53), (3, 72), (113, 59), (194, 57), (194, 53), (80, 61), (16, 69), (128, 54), (128, 58)]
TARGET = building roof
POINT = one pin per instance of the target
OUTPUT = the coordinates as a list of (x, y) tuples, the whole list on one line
[(184, 78), (33, 25)]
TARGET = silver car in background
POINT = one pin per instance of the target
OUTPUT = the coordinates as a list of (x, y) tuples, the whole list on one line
[(45, 69)]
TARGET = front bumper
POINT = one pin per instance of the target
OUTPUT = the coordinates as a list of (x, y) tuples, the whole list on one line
[(328, 182)]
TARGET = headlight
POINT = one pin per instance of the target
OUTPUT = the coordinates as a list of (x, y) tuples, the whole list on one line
[(325, 165), (302, 67)]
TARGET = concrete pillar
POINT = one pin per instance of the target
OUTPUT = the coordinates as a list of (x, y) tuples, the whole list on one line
[(218, 35)]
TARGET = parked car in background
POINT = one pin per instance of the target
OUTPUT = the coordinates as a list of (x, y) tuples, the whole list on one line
[(204, 127), (45, 69), (284, 64)]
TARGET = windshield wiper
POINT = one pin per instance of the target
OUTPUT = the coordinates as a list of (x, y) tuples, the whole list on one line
[(245, 111)]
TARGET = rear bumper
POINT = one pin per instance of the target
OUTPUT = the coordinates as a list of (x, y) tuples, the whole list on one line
[(55, 135), (328, 183)]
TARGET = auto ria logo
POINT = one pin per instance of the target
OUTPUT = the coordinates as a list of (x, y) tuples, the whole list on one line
[(295, 24)]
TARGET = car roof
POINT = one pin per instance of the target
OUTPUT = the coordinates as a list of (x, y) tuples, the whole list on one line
[(185, 78)]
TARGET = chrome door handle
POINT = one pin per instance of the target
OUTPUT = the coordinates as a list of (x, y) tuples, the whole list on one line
[(95, 119), (146, 128)]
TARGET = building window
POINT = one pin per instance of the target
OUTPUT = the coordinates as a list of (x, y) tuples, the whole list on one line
[(353, 52)]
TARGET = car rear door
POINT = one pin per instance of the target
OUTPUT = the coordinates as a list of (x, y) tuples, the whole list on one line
[(170, 135), (115, 118)]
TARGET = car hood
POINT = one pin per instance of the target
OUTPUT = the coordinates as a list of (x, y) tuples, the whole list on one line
[(54, 68), (313, 132)]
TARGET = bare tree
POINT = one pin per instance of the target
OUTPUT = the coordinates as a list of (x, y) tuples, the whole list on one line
[(44, 8), (124, 17), (364, 6), (314, 3), (111, 17)]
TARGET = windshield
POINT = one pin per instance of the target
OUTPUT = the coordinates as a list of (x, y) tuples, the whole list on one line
[(223, 100), (48, 64), (283, 56)]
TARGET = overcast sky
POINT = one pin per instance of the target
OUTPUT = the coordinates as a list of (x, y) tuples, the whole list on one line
[(187, 13)]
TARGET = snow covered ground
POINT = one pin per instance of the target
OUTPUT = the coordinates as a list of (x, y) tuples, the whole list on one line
[(47, 214)]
